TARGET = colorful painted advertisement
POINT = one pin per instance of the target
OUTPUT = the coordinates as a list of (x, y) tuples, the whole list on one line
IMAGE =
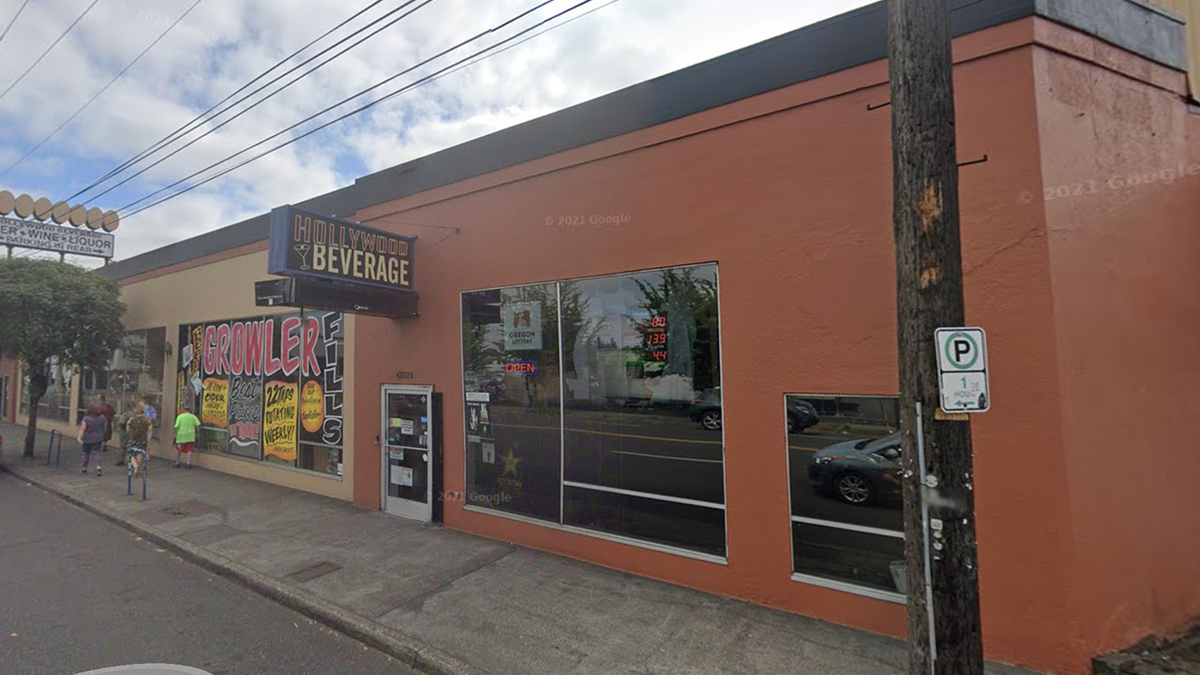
[(328, 376), (245, 415), (312, 407), (280, 406), (267, 387), (214, 403)]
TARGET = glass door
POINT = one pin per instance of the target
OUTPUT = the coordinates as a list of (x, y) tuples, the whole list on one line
[(407, 447)]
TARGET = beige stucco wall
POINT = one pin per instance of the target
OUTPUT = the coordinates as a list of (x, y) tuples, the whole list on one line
[(225, 290)]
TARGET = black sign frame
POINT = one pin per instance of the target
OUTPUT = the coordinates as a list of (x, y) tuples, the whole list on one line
[(306, 244)]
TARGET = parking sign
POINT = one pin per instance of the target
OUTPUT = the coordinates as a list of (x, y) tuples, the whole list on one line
[(962, 363)]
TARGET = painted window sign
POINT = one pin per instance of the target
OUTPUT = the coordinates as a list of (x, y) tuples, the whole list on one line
[(304, 244), (267, 388)]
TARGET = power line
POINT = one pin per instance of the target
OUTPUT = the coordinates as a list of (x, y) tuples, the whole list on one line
[(14, 20), (167, 140), (387, 97), (48, 49), (102, 90), (272, 94)]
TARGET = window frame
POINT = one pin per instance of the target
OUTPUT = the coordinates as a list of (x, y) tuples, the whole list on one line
[(813, 579)]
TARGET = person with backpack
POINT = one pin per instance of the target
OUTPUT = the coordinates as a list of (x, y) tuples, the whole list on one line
[(91, 436), (140, 428)]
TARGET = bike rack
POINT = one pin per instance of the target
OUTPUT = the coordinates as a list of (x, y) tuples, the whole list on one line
[(129, 474), (55, 434)]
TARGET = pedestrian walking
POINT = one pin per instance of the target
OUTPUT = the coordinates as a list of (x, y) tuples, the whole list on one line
[(185, 436), (109, 413), (131, 410), (91, 436), (139, 428)]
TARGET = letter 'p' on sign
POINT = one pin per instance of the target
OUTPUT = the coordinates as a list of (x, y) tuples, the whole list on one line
[(963, 369)]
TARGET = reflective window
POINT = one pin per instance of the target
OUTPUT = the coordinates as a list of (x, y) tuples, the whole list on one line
[(627, 437), (847, 508), (513, 401), (134, 375), (643, 446), (55, 404)]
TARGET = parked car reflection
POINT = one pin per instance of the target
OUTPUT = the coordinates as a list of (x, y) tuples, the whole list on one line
[(861, 472), (706, 410)]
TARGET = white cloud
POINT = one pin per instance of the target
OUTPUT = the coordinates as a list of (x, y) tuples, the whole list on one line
[(225, 43)]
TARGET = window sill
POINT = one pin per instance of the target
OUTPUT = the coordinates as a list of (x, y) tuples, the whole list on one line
[(853, 589), (629, 541)]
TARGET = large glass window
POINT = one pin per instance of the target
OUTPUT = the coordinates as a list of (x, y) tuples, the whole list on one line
[(510, 353), (267, 388), (55, 404), (626, 438), (847, 509), (134, 375)]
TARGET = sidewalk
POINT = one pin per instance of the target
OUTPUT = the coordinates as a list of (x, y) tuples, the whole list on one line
[(445, 601)]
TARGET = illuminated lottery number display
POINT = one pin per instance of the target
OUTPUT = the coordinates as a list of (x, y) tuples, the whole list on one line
[(655, 339)]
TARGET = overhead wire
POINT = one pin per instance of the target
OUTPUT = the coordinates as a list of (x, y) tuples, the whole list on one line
[(13, 20), (204, 116), (408, 87), (48, 49), (101, 92), (272, 94)]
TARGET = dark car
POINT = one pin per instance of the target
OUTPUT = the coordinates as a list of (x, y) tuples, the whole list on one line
[(707, 411), (861, 472)]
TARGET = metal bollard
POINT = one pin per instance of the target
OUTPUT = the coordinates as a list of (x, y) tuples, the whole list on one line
[(58, 452), (50, 445)]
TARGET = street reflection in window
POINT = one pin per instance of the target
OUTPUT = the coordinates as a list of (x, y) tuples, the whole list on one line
[(625, 437), (847, 508)]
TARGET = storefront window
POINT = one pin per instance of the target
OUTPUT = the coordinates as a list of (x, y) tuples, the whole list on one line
[(619, 433), (847, 508), (55, 404), (267, 388), (513, 408), (643, 347), (134, 375)]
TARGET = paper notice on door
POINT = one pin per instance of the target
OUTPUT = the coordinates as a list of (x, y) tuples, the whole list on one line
[(406, 427), (401, 475), (489, 453)]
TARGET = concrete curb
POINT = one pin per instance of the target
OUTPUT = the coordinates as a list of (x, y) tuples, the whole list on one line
[(387, 640)]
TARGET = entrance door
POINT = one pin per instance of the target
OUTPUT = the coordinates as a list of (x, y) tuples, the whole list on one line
[(407, 447)]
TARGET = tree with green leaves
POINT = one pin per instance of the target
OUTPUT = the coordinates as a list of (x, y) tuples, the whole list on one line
[(54, 311)]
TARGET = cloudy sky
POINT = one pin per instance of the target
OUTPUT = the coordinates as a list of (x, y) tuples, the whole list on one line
[(221, 45)]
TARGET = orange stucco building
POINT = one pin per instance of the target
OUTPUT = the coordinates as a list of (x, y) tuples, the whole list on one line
[(590, 281)]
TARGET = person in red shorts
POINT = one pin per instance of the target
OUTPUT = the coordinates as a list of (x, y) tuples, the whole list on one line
[(185, 436)]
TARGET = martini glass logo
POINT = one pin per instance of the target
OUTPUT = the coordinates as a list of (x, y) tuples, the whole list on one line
[(303, 250)]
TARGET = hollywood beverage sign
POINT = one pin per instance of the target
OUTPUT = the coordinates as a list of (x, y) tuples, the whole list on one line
[(304, 244)]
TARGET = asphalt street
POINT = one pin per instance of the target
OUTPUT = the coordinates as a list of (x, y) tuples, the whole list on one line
[(79, 593)]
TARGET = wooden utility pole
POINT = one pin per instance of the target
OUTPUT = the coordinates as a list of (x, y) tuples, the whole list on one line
[(939, 507)]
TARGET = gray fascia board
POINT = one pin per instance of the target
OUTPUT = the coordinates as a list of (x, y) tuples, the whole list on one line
[(1146, 30)]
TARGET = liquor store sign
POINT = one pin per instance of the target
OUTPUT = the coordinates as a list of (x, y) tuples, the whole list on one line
[(50, 237), (304, 244)]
